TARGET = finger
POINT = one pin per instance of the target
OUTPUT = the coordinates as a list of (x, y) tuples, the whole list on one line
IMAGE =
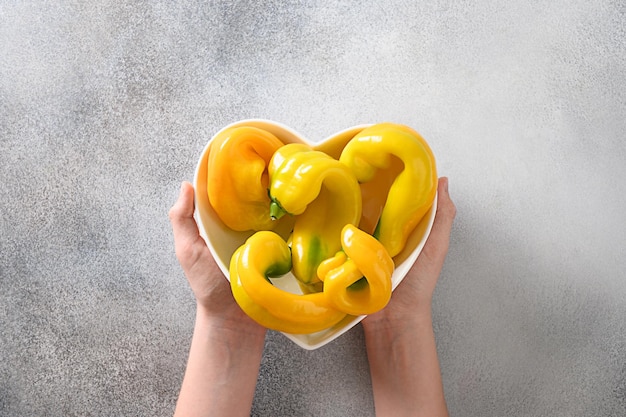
[(436, 246)]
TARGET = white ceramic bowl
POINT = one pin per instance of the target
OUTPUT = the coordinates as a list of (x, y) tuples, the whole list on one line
[(223, 241)]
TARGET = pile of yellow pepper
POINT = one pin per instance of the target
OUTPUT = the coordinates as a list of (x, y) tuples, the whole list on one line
[(351, 216)]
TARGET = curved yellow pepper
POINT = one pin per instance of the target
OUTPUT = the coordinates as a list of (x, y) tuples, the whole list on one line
[(265, 254), (362, 256), (324, 195), (237, 177), (413, 190)]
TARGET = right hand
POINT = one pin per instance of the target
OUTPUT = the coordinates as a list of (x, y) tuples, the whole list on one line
[(413, 297)]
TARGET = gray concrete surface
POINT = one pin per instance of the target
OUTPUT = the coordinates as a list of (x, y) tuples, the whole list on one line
[(106, 106)]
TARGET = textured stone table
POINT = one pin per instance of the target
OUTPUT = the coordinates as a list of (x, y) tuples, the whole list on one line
[(106, 106)]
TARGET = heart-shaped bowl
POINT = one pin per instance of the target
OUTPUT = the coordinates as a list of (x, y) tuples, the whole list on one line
[(223, 241)]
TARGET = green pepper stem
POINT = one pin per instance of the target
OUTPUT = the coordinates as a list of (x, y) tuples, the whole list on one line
[(276, 211)]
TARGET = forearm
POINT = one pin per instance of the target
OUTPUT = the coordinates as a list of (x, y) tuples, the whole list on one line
[(222, 369), (406, 377)]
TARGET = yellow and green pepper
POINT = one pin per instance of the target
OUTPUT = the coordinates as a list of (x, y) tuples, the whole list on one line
[(413, 190), (357, 280), (265, 254), (324, 196), (237, 177)]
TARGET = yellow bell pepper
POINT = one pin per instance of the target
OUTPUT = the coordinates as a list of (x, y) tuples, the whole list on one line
[(324, 195), (237, 177), (357, 280), (413, 190), (265, 254)]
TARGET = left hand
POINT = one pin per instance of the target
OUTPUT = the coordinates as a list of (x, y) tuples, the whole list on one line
[(211, 289)]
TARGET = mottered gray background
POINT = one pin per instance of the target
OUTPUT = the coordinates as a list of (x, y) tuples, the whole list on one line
[(106, 106)]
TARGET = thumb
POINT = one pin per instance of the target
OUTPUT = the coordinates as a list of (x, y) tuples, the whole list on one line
[(436, 246), (188, 243), (181, 215), (446, 211)]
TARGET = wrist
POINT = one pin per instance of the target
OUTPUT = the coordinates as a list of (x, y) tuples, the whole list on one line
[(237, 330), (394, 324)]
